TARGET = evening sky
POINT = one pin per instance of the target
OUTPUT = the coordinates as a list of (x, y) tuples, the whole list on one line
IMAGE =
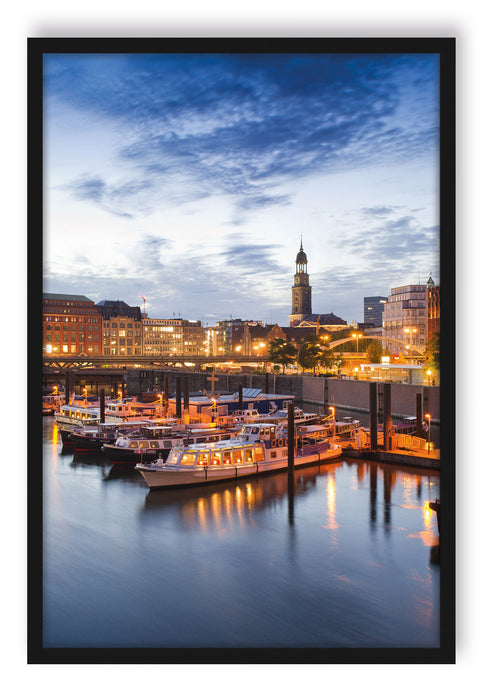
[(189, 179)]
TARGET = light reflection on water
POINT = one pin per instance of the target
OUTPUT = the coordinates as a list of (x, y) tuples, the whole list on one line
[(343, 557)]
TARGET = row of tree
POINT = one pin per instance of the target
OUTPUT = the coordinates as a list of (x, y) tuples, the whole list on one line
[(314, 352)]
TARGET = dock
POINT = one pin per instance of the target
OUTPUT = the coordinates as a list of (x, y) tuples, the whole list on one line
[(420, 458)]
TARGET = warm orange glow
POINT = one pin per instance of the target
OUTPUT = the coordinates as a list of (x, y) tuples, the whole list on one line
[(331, 502), (55, 433)]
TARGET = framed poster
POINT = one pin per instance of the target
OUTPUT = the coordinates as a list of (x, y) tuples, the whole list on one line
[(190, 199)]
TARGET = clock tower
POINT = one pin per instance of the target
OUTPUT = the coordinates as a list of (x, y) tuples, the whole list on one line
[(301, 291)]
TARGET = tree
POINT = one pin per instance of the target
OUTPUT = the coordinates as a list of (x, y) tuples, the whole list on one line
[(432, 352), (309, 353), (281, 352), (374, 352), (327, 358)]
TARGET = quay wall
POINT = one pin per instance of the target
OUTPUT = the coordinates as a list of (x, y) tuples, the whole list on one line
[(319, 392), (354, 395)]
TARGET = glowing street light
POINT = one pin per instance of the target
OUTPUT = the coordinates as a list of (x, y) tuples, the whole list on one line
[(357, 336), (410, 331), (427, 415)]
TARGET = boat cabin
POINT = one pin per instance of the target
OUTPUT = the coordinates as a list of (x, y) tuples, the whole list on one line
[(220, 455)]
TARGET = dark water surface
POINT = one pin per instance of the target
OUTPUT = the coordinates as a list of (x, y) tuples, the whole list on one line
[(348, 562)]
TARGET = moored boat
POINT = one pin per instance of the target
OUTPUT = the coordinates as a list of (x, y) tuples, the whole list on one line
[(258, 449), (281, 415), (407, 426), (149, 443), (72, 414), (92, 438)]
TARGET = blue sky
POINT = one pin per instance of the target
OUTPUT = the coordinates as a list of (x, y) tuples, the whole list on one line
[(190, 179)]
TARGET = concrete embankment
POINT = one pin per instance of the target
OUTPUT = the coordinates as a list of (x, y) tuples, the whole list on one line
[(319, 392)]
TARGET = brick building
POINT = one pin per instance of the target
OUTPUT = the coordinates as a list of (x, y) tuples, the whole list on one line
[(71, 325), (433, 319)]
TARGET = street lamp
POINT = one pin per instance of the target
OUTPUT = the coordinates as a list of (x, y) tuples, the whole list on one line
[(427, 415), (357, 336), (410, 331), (331, 411)]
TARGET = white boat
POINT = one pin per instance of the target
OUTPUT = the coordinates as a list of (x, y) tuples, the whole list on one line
[(260, 448), (72, 414), (280, 415), (88, 413)]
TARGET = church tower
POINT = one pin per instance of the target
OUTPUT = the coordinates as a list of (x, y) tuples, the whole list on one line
[(301, 291)]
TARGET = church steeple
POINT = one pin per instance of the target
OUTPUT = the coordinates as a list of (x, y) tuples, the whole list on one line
[(301, 290)]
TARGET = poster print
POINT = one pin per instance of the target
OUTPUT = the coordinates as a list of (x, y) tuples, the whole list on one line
[(273, 192)]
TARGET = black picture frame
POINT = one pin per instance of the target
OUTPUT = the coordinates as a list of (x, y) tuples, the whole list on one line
[(36, 48)]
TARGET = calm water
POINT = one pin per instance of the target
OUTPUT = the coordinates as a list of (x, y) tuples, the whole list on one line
[(348, 562)]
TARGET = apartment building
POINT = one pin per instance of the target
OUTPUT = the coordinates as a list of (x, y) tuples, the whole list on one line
[(405, 314), (121, 328), (172, 336)]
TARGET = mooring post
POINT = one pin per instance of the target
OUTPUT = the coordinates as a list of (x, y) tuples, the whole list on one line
[(240, 397), (68, 386), (290, 437), (419, 416), (165, 394), (373, 417), (102, 405), (178, 407), (387, 417), (266, 382), (186, 393)]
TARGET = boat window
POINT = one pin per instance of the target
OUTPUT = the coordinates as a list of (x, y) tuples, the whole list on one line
[(188, 458), (216, 458), (203, 459), (227, 457), (133, 443), (238, 457), (154, 443), (143, 444), (255, 430), (273, 455), (285, 453), (259, 452), (173, 457)]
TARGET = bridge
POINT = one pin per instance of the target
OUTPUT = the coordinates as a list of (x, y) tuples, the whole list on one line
[(129, 361), (413, 350), (159, 361)]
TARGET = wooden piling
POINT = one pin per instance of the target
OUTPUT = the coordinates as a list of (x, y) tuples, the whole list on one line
[(102, 405), (290, 437), (186, 393), (387, 417), (68, 386), (240, 397), (419, 416), (373, 417), (178, 406), (165, 393), (266, 382)]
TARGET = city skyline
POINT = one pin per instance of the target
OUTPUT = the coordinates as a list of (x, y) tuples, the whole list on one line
[(189, 179)]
